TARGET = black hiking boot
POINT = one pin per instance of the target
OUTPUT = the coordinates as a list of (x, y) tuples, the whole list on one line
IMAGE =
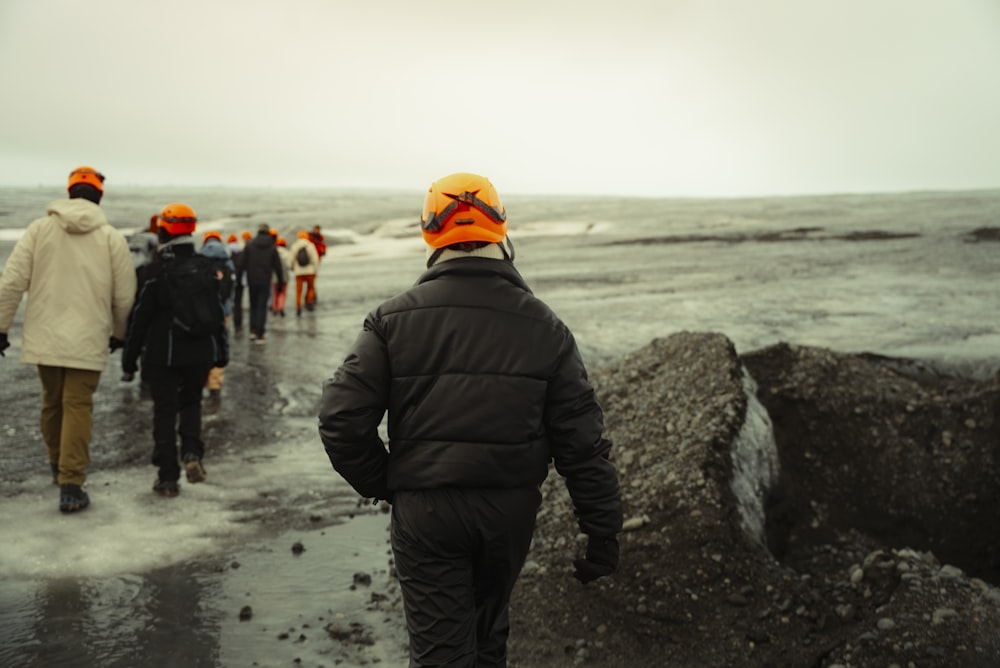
[(72, 498), (168, 488)]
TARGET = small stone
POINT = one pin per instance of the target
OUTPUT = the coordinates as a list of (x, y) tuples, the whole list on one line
[(885, 624), (950, 572), (298, 548), (942, 615), (246, 613)]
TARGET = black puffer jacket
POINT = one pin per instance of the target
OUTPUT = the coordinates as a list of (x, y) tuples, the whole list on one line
[(259, 260), (149, 330), (484, 386)]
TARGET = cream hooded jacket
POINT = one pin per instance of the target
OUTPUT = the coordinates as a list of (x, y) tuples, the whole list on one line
[(78, 273), (312, 267)]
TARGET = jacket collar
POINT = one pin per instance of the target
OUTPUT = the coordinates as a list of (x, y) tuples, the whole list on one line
[(475, 266)]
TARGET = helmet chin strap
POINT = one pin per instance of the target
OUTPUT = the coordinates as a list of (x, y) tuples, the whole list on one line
[(433, 257), (508, 247)]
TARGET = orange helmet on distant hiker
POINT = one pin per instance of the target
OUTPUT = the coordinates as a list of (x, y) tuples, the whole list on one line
[(462, 207), (88, 175), (212, 235), (177, 219)]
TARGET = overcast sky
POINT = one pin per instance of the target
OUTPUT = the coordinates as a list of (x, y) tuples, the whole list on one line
[(632, 97)]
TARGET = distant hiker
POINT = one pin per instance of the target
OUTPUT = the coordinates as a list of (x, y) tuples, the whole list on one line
[(484, 386), (236, 247), (305, 265), (178, 327), (280, 296), (318, 240), (257, 263), (212, 247), (78, 273), (143, 244)]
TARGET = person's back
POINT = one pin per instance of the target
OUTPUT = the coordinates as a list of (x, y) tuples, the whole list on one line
[(484, 386), (75, 274), (471, 336), (260, 259)]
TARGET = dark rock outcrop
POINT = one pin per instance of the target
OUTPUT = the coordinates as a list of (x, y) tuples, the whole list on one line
[(859, 531)]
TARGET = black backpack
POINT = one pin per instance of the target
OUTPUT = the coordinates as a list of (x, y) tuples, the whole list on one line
[(302, 257), (193, 288)]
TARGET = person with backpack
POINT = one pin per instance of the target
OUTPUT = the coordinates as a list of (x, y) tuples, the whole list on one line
[(257, 263), (305, 265), (77, 271), (178, 327), (212, 247), (484, 387)]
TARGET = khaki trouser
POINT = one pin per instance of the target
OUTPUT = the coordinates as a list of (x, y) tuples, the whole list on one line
[(217, 376), (67, 419)]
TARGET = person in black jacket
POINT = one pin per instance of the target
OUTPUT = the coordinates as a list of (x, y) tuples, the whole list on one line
[(258, 261), (484, 387), (176, 363)]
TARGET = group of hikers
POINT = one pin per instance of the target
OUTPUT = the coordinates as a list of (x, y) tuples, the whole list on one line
[(166, 301), (483, 385)]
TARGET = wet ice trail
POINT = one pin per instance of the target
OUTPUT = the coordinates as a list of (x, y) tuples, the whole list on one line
[(141, 580)]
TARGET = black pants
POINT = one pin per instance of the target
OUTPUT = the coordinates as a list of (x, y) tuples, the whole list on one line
[(238, 306), (458, 554), (259, 297), (176, 393)]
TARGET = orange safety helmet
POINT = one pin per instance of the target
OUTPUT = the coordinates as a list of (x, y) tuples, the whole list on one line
[(87, 175), (462, 207), (273, 232), (177, 219), (281, 241), (303, 234), (231, 238), (212, 235), (245, 235)]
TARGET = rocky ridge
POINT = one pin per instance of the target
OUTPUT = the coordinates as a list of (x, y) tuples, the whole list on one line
[(840, 513)]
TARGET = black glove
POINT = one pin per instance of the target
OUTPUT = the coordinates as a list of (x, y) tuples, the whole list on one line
[(4, 343), (115, 344), (601, 559), (128, 376)]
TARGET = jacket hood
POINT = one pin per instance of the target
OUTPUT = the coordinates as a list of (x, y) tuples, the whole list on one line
[(77, 215)]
